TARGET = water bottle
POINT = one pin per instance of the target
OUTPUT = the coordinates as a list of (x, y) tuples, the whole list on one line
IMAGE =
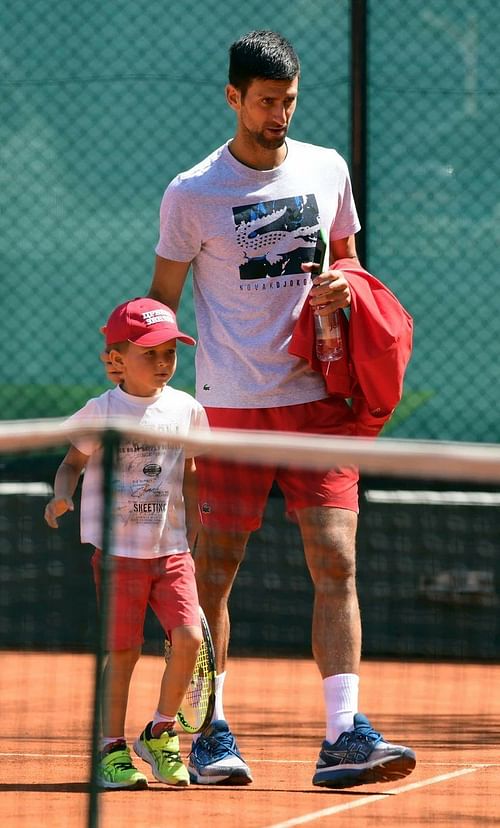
[(327, 328), (328, 337)]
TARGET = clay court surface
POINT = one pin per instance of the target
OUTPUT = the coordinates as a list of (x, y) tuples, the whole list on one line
[(449, 713)]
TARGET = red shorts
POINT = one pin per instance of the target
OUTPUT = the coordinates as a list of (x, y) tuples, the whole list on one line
[(233, 496), (167, 584)]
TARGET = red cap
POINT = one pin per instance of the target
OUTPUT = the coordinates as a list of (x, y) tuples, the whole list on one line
[(144, 322)]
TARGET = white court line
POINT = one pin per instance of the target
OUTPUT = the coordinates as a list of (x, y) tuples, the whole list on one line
[(366, 800), (46, 755)]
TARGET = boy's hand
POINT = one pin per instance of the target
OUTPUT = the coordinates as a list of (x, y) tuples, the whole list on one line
[(112, 373), (57, 507)]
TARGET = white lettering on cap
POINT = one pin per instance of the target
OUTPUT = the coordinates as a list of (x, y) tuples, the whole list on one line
[(153, 316)]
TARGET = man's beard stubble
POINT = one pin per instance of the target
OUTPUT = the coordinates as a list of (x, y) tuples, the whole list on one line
[(267, 143)]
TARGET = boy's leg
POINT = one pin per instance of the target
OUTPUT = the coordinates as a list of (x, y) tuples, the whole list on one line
[(129, 587), (117, 675), (116, 769), (174, 600), (185, 641), (128, 601)]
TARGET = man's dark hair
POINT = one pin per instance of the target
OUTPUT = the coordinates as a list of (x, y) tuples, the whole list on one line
[(261, 54)]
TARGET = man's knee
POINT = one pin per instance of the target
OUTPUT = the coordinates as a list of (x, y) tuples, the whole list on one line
[(336, 563), (329, 546), (219, 554)]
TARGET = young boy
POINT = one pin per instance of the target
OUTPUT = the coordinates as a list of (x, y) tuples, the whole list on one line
[(155, 511)]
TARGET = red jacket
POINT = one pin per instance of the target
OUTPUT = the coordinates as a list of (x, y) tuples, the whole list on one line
[(377, 348)]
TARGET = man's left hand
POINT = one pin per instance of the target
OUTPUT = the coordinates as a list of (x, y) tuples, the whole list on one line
[(330, 290)]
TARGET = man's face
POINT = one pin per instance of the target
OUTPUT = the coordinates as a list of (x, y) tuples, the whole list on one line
[(265, 110)]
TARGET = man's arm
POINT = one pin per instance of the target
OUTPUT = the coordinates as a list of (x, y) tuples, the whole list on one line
[(343, 249), (168, 281)]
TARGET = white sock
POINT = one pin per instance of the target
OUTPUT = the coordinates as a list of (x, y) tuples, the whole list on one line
[(219, 690), (108, 740), (219, 707), (341, 701), (159, 717)]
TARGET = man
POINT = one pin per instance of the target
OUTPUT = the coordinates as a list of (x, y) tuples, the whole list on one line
[(246, 218)]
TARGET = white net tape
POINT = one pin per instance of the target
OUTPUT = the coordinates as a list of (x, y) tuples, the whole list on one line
[(384, 456)]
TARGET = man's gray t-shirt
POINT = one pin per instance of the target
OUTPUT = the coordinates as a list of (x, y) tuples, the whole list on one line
[(246, 233)]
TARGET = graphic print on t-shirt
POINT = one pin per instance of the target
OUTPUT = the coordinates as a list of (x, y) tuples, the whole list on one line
[(275, 237), (146, 474)]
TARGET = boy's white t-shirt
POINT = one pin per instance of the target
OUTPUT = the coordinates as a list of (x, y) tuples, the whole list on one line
[(246, 233), (147, 488)]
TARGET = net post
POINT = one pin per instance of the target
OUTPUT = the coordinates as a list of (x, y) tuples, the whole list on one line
[(111, 442)]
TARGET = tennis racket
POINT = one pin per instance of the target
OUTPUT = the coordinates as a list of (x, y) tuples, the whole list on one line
[(197, 707)]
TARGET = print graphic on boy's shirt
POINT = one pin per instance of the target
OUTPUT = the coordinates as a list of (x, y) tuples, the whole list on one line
[(140, 492), (276, 236)]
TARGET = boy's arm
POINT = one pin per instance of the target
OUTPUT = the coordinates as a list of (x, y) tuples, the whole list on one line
[(190, 491), (65, 483)]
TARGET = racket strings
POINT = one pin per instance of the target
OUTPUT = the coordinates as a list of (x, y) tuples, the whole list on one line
[(199, 700), (198, 693)]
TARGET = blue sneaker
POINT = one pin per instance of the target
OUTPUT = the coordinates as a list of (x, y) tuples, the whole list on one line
[(215, 758), (361, 756)]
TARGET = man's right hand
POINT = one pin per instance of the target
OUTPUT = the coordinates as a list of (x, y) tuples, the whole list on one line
[(113, 374)]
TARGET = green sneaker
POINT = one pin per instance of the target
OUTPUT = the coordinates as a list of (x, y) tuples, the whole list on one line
[(117, 771), (163, 755)]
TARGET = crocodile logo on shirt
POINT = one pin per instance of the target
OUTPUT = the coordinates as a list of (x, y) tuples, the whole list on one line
[(276, 236)]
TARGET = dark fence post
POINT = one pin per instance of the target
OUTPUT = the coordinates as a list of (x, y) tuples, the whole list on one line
[(358, 119)]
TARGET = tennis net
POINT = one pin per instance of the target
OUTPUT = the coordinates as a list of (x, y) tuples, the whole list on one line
[(428, 584)]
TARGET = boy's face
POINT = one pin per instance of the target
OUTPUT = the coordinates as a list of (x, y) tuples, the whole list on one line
[(146, 370)]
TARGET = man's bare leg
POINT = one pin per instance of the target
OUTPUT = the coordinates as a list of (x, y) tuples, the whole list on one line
[(215, 756)]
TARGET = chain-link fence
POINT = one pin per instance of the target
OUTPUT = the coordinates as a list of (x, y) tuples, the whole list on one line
[(434, 203), (102, 104)]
